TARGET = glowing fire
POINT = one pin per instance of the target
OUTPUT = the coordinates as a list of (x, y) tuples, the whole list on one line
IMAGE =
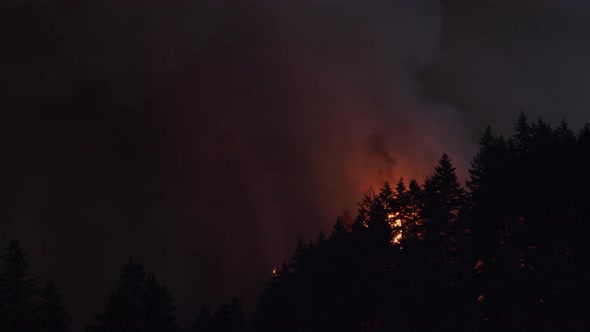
[(478, 264), (397, 238), (395, 223), (391, 216), (274, 272)]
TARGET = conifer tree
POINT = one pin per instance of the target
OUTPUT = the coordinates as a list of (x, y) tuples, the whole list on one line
[(401, 197), (365, 205), (158, 306), (414, 211), (481, 162), (204, 321), (52, 314), (386, 196), (444, 196), (138, 303), (17, 290), (523, 134), (340, 229)]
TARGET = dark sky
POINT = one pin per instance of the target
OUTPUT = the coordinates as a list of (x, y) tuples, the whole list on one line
[(206, 137)]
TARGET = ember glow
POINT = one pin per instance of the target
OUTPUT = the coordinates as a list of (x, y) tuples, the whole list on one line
[(396, 224)]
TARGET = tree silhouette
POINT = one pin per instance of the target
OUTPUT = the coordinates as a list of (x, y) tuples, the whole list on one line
[(158, 306), (364, 209), (509, 254), (17, 290), (138, 303), (52, 314), (443, 197), (204, 321), (23, 306), (229, 317)]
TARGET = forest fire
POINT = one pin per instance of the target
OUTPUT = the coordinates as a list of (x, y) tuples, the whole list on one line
[(397, 238), (396, 223)]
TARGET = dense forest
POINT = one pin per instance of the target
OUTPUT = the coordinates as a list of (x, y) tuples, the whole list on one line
[(506, 251)]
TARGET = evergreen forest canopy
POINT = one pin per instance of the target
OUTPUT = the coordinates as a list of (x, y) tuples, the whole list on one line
[(508, 251)]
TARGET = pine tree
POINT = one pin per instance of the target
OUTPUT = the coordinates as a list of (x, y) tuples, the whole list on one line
[(320, 238), (158, 306), (401, 196), (564, 134), (138, 303), (481, 161), (124, 311), (236, 316), (299, 256), (52, 314), (414, 210), (523, 136), (444, 191), (204, 321), (340, 229), (365, 205), (444, 196), (386, 196), (17, 288), (490, 204), (378, 230), (275, 309), (229, 317)]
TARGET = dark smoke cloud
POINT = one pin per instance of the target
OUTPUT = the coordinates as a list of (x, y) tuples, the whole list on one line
[(496, 57), (206, 137)]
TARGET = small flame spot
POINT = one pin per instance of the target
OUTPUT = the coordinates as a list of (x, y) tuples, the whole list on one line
[(478, 264)]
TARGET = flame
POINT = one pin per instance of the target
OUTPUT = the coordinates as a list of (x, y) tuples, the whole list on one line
[(480, 298), (478, 264), (397, 238)]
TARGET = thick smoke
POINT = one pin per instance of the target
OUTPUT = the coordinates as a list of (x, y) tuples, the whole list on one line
[(288, 114), (205, 138), (498, 56)]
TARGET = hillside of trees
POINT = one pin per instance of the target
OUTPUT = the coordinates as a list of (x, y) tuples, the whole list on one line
[(506, 251), (509, 251)]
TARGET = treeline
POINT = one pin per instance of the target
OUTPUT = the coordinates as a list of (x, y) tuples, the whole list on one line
[(139, 303), (507, 251)]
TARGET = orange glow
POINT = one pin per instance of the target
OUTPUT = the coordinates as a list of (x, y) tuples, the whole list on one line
[(478, 264), (396, 233), (397, 238), (480, 298), (274, 272)]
